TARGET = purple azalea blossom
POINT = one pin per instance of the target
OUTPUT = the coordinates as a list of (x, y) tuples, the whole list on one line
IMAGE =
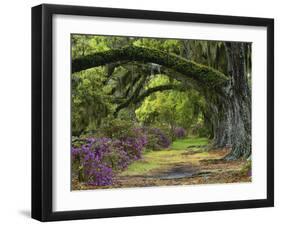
[(97, 157), (179, 132)]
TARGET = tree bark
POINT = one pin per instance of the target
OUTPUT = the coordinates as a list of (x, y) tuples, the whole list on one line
[(233, 127)]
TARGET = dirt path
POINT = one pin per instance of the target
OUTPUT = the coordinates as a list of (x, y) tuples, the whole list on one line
[(186, 162), (193, 167)]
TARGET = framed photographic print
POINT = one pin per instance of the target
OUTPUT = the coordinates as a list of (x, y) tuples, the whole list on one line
[(146, 112)]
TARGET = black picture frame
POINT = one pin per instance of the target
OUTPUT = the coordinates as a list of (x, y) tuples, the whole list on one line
[(42, 84)]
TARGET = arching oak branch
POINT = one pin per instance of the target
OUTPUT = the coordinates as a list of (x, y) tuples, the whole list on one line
[(201, 73), (137, 98)]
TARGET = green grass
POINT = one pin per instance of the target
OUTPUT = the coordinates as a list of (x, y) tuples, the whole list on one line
[(153, 160), (140, 167), (183, 144), (161, 159)]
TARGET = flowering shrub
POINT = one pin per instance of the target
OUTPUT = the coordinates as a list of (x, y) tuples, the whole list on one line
[(156, 138), (117, 129), (179, 132), (88, 164), (95, 161)]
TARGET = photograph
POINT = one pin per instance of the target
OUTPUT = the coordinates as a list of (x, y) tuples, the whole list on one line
[(140, 112), (151, 111)]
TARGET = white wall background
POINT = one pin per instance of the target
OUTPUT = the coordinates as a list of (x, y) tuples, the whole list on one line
[(15, 111)]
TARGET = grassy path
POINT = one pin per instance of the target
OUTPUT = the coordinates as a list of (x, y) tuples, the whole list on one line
[(187, 161), (163, 159)]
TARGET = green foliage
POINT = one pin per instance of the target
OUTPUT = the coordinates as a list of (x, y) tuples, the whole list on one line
[(98, 92), (167, 45), (89, 102), (83, 45), (116, 128), (172, 108)]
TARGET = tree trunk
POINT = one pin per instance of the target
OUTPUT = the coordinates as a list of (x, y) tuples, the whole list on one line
[(234, 123)]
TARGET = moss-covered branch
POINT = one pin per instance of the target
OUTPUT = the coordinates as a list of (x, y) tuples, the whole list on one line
[(201, 73)]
